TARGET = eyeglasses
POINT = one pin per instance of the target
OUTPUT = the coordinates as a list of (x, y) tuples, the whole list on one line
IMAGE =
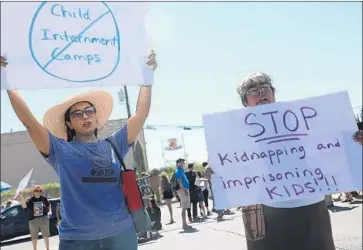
[(260, 90), (79, 114)]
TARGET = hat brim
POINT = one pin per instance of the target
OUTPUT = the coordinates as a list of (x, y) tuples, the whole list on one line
[(54, 119)]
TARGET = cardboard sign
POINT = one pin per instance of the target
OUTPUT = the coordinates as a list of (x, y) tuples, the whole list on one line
[(284, 151), (74, 44), (145, 188)]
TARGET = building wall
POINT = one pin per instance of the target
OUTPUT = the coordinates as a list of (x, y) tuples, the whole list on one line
[(19, 155)]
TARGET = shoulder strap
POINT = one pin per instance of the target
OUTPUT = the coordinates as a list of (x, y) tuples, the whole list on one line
[(119, 158)]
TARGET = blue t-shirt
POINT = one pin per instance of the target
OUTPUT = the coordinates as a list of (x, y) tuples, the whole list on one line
[(180, 175), (93, 202)]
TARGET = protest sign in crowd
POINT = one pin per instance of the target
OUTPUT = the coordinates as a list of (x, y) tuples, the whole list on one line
[(276, 161)]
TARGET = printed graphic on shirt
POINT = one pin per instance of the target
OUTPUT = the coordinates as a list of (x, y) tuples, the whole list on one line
[(103, 171), (38, 208)]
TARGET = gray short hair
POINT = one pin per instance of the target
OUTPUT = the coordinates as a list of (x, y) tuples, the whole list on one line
[(251, 80)]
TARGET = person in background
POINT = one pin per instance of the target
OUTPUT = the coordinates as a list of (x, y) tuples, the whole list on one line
[(155, 214), (38, 208), (200, 183), (8, 204), (145, 201), (208, 171), (299, 224), (329, 201), (193, 191), (154, 181), (347, 197), (204, 184), (167, 192), (57, 213), (183, 190)]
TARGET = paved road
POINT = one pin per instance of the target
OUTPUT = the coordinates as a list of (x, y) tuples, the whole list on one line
[(229, 234)]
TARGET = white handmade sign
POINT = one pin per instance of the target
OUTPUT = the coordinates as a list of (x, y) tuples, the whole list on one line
[(145, 188), (23, 183), (74, 44), (284, 151)]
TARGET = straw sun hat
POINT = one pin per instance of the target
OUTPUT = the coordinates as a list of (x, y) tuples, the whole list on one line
[(54, 119), (163, 174)]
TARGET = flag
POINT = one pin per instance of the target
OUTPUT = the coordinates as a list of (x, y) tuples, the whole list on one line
[(173, 144), (23, 183)]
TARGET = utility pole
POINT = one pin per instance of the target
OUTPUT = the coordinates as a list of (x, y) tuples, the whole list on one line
[(124, 96), (127, 102)]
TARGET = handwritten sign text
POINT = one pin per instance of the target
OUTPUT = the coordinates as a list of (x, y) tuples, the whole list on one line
[(284, 151), (145, 187), (74, 44)]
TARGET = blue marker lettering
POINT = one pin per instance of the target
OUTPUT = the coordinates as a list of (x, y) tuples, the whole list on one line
[(49, 35), (54, 54), (45, 32), (80, 57), (67, 57), (75, 39), (62, 37), (53, 8), (89, 59), (98, 59), (59, 10)]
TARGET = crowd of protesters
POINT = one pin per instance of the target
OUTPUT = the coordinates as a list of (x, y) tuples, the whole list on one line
[(68, 139)]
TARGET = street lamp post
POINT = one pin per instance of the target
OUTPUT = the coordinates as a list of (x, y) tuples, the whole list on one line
[(127, 102), (123, 96)]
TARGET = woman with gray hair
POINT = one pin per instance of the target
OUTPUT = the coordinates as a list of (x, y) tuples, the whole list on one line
[(300, 224)]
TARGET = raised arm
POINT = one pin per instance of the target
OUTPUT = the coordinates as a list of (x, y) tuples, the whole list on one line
[(22, 200), (136, 122), (37, 132)]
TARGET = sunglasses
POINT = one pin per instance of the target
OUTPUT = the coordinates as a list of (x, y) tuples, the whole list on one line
[(79, 114), (255, 91), (37, 191)]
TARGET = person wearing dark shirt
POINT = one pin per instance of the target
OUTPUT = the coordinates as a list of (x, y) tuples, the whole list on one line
[(192, 176), (38, 208), (155, 214)]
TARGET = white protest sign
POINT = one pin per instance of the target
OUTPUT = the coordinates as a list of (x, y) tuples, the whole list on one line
[(74, 44), (284, 151), (145, 188), (23, 183)]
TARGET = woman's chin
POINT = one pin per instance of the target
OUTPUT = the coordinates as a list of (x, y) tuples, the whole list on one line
[(87, 131)]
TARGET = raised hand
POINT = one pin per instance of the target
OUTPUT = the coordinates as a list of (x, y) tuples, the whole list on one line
[(358, 137), (3, 61), (152, 60)]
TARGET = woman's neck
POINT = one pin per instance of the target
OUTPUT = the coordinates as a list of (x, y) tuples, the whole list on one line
[(86, 138)]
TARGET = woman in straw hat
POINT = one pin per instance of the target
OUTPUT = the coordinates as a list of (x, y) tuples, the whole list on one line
[(94, 214)]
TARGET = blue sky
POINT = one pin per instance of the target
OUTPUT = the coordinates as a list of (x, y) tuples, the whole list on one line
[(203, 49)]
